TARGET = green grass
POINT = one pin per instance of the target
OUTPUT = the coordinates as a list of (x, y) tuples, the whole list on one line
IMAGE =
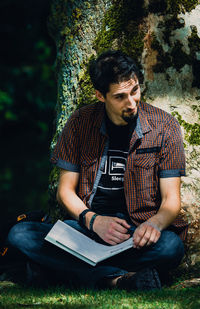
[(15, 296)]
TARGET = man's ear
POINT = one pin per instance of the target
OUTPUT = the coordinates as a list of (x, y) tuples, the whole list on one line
[(99, 96)]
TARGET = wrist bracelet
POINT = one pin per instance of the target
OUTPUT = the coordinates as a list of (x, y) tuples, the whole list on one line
[(92, 222), (81, 219)]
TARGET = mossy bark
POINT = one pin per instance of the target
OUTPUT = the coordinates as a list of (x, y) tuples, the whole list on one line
[(164, 39)]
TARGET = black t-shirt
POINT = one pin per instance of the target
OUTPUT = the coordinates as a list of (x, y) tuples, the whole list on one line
[(109, 198)]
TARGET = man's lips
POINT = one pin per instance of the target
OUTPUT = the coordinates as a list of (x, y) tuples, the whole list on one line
[(130, 111)]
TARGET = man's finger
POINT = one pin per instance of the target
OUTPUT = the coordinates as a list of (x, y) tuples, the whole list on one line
[(118, 232), (122, 222), (146, 238), (157, 236), (113, 240), (120, 229), (121, 236), (150, 236), (153, 237), (116, 227), (138, 235)]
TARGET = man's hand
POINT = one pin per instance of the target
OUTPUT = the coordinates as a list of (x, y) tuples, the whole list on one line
[(145, 235), (149, 232), (112, 230)]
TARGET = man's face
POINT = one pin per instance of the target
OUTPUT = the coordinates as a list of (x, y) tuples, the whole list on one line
[(122, 101)]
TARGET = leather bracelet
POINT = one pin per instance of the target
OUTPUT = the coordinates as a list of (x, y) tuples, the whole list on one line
[(81, 218), (92, 222)]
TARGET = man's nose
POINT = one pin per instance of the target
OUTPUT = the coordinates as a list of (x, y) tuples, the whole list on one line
[(131, 102)]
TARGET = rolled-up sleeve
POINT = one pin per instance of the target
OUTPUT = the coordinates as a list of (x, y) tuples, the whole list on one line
[(66, 151), (172, 160)]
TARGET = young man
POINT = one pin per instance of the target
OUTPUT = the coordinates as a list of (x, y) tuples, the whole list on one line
[(120, 165)]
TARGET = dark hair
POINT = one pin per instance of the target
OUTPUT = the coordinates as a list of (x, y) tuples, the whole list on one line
[(111, 67)]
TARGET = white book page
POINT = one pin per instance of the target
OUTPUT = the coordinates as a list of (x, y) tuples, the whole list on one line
[(82, 244)]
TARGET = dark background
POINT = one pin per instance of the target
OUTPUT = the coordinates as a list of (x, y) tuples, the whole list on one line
[(27, 105)]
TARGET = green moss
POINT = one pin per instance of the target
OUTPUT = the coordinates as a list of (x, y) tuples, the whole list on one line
[(192, 135), (120, 28), (87, 95), (120, 18), (196, 108), (109, 32)]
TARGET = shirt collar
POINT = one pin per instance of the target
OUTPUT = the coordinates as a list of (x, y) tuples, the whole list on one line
[(99, 117), (142, 124), (138, 128)]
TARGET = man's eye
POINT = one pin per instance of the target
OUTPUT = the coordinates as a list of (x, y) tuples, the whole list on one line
[(135, 90), (119, 97)]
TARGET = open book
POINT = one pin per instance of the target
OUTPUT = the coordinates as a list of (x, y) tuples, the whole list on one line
[(76, 243)]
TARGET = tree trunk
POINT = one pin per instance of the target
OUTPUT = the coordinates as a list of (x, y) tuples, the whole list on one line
[(163, 36)]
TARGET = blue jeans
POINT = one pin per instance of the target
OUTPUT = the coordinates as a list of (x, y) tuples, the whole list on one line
[(28, 237)]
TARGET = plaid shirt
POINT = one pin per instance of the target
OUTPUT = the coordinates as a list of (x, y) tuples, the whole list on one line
[(156, 151)]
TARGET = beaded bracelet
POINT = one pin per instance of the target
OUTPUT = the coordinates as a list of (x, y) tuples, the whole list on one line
[(92, 222)]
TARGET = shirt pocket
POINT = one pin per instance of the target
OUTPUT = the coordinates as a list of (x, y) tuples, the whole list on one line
[(143, 173), (145, 160), (88, 168)]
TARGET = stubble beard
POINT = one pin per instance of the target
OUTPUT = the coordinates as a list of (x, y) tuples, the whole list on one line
[(130, 119)]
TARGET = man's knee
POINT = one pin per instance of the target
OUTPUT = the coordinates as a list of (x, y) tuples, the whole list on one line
[(171, 249), (16, 235), (27, 235)]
